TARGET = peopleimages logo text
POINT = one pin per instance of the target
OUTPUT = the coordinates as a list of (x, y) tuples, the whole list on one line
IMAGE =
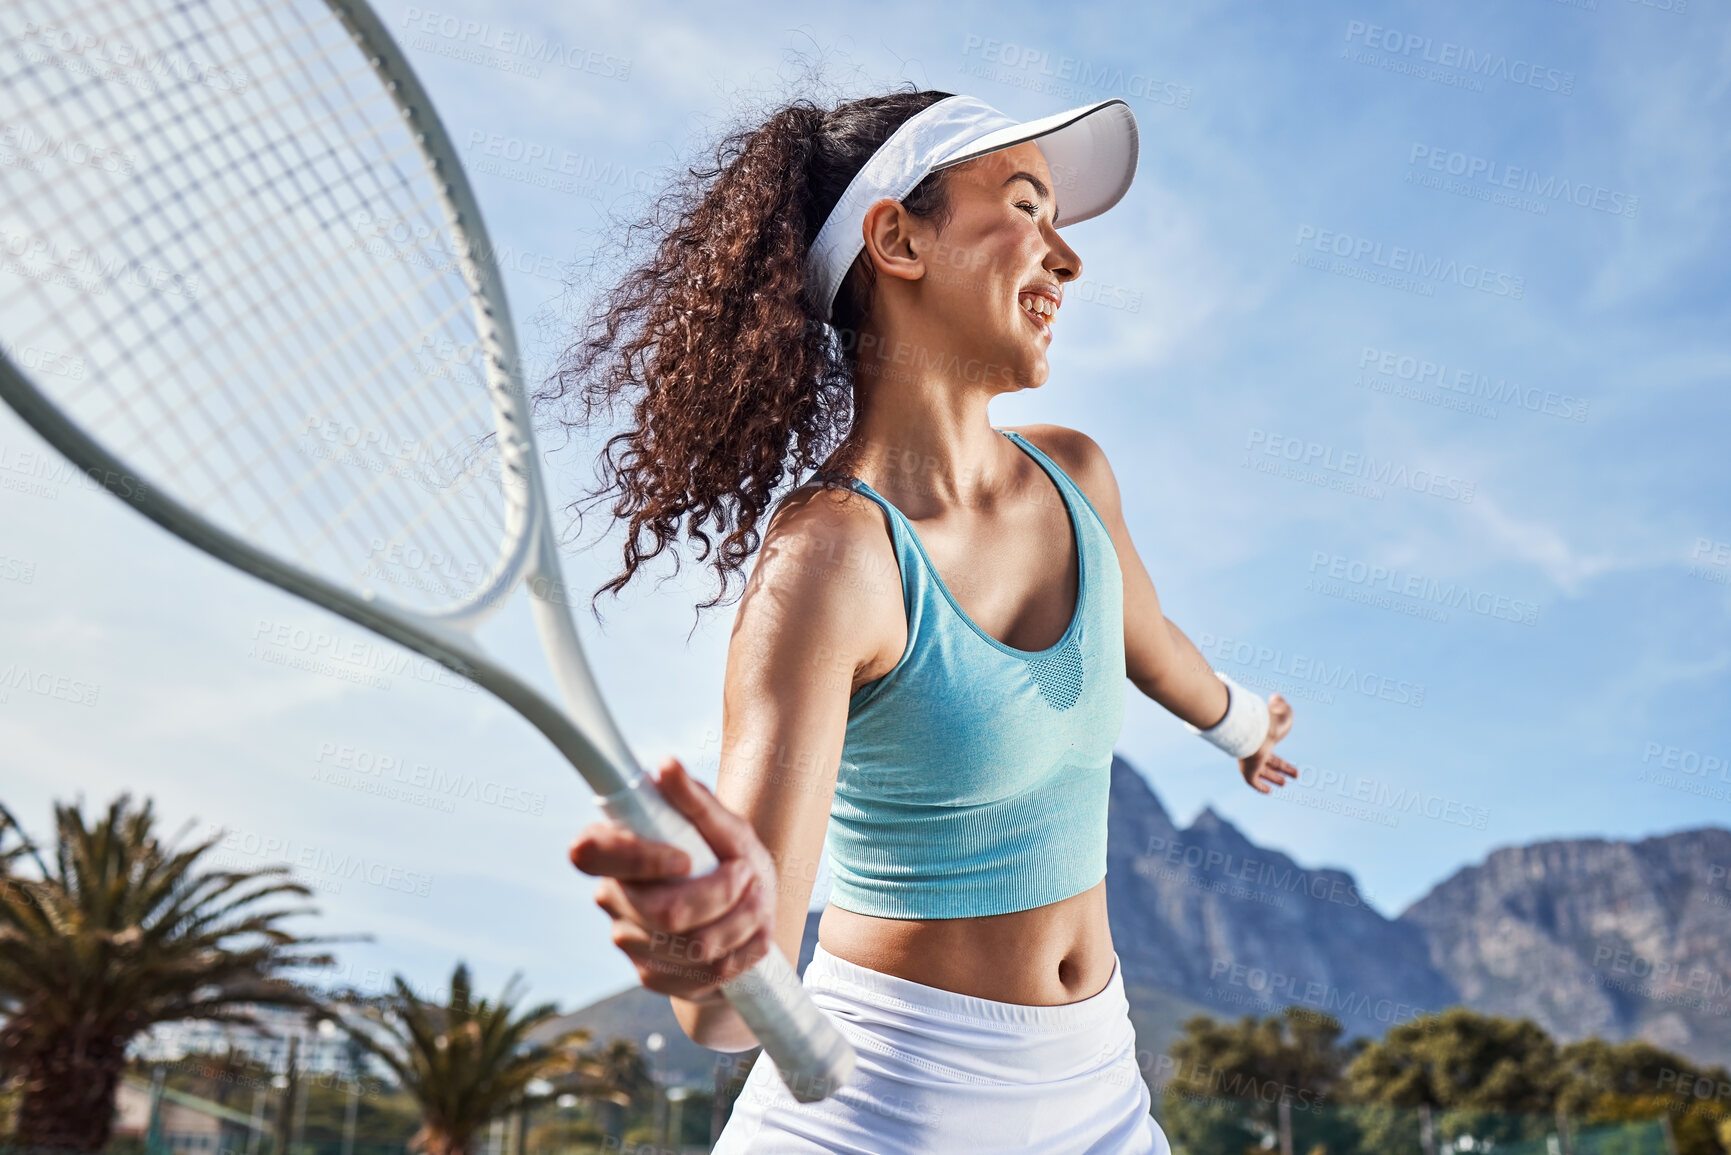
[(1448, 54), (1404, 260), (1474, 168), (1342, 676), (1436, 374), (1356, 464), (1108, 79), (1451, 594), (513, 42)]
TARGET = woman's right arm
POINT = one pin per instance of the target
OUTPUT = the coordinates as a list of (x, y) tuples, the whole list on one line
[(821, 614)]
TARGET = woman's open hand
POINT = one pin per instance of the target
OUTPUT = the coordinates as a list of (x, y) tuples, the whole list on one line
[(686, 936), (1262, 770)]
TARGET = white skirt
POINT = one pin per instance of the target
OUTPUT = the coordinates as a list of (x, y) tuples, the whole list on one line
[(943, 1072)]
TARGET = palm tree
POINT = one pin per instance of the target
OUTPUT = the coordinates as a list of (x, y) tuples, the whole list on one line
[(118, 932), (466, 1062), (614, 1074)]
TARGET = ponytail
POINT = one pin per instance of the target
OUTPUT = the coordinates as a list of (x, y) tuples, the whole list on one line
[(733, 380)]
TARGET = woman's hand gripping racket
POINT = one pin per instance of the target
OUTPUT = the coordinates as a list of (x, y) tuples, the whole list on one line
[(246, 287)]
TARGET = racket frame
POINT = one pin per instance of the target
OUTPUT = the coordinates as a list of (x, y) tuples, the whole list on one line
[(770, 996)]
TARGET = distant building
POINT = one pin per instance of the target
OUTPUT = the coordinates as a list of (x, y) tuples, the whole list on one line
[(322, 1052), (187, 1123)]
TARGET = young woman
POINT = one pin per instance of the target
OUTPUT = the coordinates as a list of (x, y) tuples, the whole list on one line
[(926, 674)]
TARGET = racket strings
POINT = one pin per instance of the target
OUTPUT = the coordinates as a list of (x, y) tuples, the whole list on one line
[(367, 326), (372, 325), (159, 131), (99, 328), (165, 114), (294, 390), (431, 210), (363, 367)]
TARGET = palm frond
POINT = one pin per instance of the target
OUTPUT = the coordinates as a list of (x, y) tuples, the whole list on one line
[(466, 1060), (123, 931)]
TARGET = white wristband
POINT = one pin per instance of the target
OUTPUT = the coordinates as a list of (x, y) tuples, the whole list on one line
[(1242, 731)]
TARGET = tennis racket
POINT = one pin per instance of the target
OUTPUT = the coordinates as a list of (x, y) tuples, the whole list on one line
[(245, 286)]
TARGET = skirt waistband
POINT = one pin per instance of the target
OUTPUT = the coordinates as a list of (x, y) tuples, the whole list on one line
[(828, 972), (941, 1072)]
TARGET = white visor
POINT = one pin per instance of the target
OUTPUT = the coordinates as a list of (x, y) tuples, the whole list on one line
[(1090, 150)]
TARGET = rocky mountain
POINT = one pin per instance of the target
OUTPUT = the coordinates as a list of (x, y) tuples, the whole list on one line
[(1592, 936), (1236, 929), (1586, 936)]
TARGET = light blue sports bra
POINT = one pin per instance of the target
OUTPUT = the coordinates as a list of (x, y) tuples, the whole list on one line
[(974, 776)]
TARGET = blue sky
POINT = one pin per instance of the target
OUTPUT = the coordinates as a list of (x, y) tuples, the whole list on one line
[(1408, 345)]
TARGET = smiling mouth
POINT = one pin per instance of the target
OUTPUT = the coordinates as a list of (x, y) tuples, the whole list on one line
[(1039, 309)]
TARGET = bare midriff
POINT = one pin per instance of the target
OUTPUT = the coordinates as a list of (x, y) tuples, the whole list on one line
[(1050, 955)]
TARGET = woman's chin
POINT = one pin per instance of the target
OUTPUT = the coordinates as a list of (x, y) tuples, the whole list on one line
[(1028, 369), (1031, 365), (1034, 367)]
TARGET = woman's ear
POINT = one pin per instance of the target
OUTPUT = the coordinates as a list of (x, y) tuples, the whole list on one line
[(893, 243)]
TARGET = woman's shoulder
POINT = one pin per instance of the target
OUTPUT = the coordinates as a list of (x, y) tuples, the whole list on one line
[(816, 534), (1079, 456), (826, 586), (817, 508)]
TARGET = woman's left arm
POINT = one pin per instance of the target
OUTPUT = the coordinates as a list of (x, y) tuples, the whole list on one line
[(1160, 660)]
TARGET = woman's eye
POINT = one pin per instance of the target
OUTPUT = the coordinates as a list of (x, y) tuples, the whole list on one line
[(1033, 209)]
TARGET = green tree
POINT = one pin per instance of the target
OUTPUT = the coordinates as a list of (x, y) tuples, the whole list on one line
[(466, 1061), (1475, 1074), (118, 932), (1241, 1085), (1611, 1082)]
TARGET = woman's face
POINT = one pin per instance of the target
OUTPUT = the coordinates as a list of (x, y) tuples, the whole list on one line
[(984, 293)]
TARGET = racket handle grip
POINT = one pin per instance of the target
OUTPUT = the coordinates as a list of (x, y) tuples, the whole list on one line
[(810, 1054)]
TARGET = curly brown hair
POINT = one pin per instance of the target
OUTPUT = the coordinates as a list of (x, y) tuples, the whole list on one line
[(733, 380)]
